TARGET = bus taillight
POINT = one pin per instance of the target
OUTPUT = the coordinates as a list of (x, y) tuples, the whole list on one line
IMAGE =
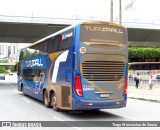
[(126, 85), (78, 86)]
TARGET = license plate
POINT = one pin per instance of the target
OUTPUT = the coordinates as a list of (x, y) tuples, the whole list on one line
[(104, 95)]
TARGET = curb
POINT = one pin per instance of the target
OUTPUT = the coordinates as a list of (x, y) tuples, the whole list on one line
[(149, 100)]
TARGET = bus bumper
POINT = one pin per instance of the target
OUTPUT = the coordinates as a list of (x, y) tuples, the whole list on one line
[(90, 105)]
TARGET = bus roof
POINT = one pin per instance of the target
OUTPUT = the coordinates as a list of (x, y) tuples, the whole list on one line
[(67, 28), (102, 22)]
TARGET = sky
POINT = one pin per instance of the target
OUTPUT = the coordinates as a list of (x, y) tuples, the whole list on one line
[(145, 10), (50, 8), (100, 9)]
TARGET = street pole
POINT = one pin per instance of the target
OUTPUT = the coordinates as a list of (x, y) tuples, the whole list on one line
[(111, 11), (120, 12)]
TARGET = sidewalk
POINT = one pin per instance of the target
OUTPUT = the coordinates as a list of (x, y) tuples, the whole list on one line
[(144, 93)]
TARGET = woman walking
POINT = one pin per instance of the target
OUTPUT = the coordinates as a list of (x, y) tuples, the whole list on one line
[(150, 82), (137, 80)]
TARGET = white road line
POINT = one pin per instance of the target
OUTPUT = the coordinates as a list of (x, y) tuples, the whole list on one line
[(58, 118), (16, 91), (77, 128), (25, 100), (67, 123), (10, 85)]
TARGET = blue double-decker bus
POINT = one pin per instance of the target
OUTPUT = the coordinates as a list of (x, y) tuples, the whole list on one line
[(82, 67)]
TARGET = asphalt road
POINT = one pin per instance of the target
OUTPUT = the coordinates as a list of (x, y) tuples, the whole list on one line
[(16, 107)]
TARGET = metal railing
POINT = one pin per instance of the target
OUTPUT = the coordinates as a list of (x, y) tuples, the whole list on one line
[(144, 77)]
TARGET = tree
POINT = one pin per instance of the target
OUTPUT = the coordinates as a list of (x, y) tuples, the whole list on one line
[(2, 69), (142, 52)]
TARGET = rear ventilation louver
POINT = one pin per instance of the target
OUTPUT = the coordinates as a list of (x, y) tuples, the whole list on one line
[(103, 70)]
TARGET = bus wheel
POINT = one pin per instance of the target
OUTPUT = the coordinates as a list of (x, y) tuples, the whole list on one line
[(54, 102), (45, 99), (22, 88)]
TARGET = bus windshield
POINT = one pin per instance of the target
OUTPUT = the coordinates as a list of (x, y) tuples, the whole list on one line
[(102, 35)]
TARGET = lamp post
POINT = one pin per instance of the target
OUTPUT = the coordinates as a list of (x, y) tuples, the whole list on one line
[(120, 12), (111, 11)]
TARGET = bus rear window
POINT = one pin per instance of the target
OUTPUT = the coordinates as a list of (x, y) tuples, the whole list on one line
[(102, 35)]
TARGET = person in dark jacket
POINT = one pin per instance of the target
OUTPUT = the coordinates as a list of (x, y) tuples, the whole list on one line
[(137, 80)]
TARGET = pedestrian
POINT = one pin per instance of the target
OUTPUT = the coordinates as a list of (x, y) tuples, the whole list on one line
[(150, 82), (136, 79)]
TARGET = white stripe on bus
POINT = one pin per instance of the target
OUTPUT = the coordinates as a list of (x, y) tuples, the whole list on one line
[(61, 58)]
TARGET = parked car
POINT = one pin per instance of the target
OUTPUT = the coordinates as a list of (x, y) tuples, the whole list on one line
[(130, 76), (2, 77), (10, 74), (158, 77)]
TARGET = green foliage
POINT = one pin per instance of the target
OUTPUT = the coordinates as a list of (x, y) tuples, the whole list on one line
[(144, 52), (3, 60), (11, 68), (2, 69)]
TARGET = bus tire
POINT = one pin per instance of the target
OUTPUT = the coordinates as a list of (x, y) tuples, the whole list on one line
[(95, 110), (45, 99), (22, 88), (54, 102)]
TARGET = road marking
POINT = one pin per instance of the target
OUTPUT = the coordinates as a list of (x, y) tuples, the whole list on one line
[(10, 85), (58, 118), (77, 128), (16, 91), (67, 123), (25, 100)]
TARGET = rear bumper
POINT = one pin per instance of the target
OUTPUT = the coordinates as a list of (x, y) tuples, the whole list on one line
[(90, 104)]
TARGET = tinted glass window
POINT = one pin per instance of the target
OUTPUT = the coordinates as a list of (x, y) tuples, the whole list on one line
[(103, 35), (57, 43), (34, 74)]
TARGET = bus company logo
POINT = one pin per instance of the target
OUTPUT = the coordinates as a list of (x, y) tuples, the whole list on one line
[(65, 36), (32, 63), (103, 29), (82, 50)]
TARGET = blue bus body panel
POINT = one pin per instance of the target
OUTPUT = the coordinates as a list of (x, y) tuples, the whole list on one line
[(33, 86), (64, 74)]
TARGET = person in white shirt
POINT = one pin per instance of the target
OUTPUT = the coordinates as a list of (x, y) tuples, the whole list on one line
[(150, 82)]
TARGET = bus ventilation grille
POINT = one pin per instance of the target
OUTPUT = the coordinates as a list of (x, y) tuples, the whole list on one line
[(103, 70)]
